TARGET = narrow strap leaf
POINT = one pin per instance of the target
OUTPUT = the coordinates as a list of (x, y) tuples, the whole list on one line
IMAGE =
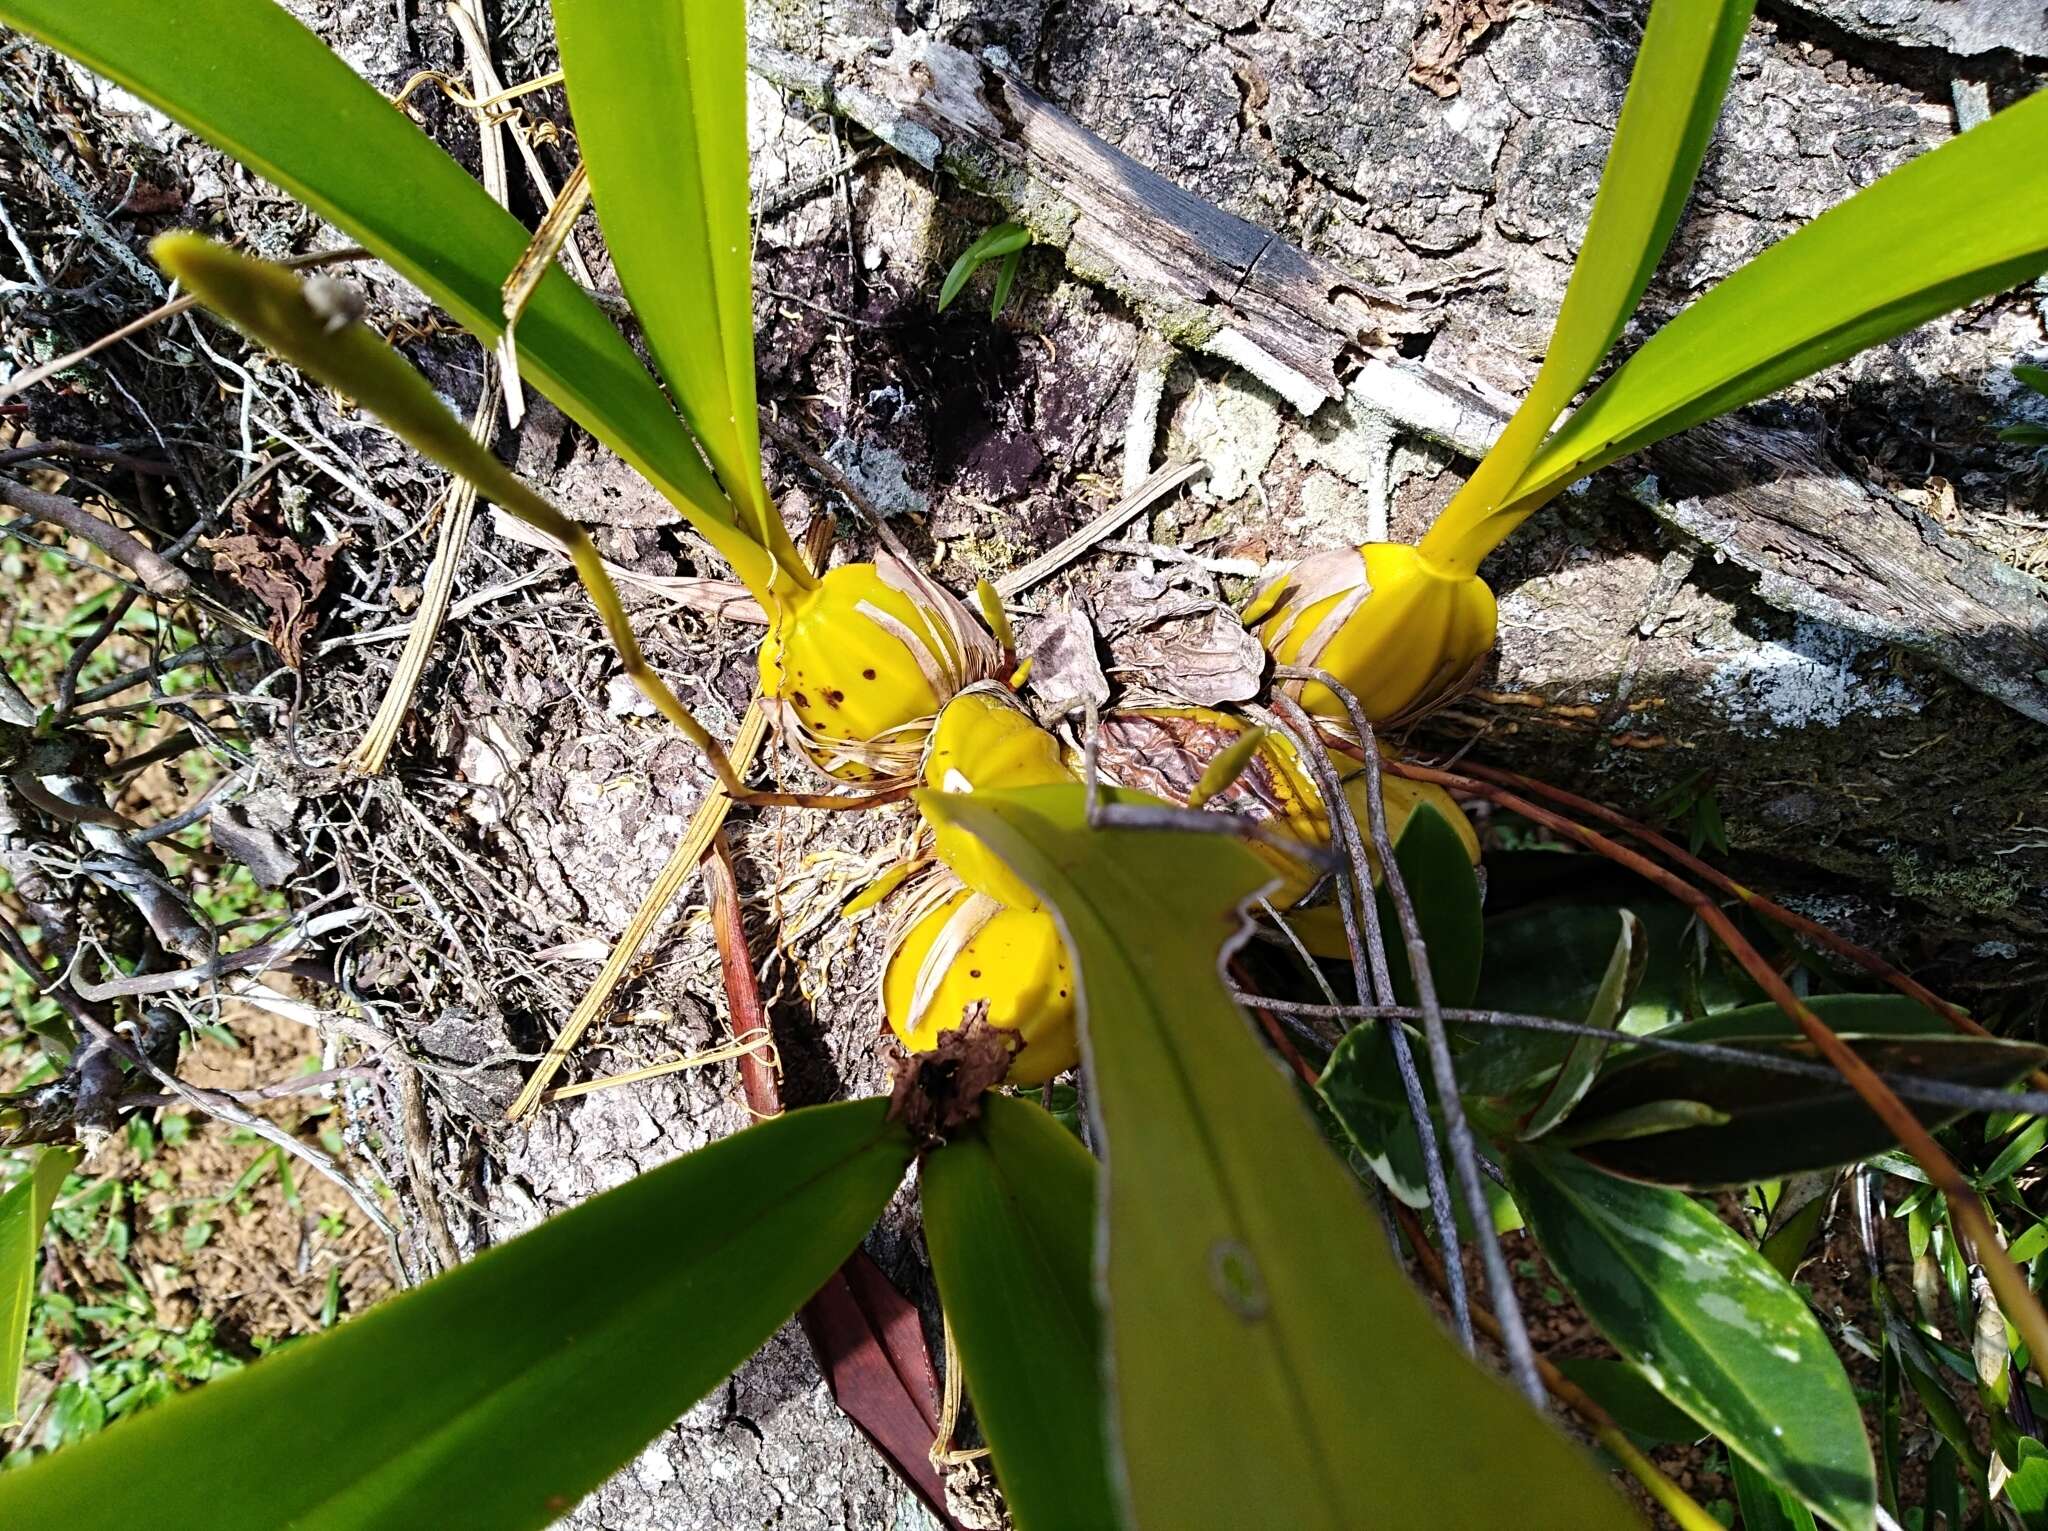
[(496, 1396), (658, 89), (1674, 96), (246, 76), (1009, 1213), (1956, 224), (271, 306)]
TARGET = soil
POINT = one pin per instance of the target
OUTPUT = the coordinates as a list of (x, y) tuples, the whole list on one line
[(531, 801)]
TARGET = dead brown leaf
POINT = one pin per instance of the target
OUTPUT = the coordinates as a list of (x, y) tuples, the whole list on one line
[(1450, 31), (263, 558)]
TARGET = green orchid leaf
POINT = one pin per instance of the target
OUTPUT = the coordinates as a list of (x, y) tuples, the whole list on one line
[(2027, 1489), (1708, 1323), (1778, 1124), (23, 1211), (1610, 1003), (1645, 1415), (1959, 223), (499, 1394), (1444, 888), (1005, 242), (1867, 1015), (1009, 1214), (1550, 958), (249, 79), (1674, 95), (1006, 278), (1765, 1506), (1367, 1110), (658, 90), (1266, 1355), (1906, 1351), (272, 307)]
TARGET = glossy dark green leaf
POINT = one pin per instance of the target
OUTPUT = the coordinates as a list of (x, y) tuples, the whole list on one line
[(1864, 1015), (1269, 1364), (1361, 1094), (1779, 1124), (658, 90), (501, 1393), (23, 1211), (1710, 1325), (1765, 1506), (1009, 1214), (1610, 1003), (248, 78), (1956, 224), (1643, 1413), (1550, 957), (1445, 890)]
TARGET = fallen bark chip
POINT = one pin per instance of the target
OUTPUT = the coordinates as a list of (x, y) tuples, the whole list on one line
[(261, 557), (1451, 30), (1202, 654), (937, 1093)]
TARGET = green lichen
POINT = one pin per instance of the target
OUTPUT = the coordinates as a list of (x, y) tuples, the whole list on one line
[(1980, 887)]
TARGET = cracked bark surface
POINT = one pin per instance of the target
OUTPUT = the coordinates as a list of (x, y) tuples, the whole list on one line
[(1302, 325)]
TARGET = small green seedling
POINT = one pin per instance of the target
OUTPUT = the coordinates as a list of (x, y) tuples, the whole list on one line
[(1005, 242), (2029, 434)]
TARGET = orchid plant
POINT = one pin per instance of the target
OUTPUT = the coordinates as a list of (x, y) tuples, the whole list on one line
[(1209, 1328)]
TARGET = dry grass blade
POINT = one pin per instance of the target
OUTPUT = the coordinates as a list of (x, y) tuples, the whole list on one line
[(1464, 1152), (547, 243), (369, 757), (697, 839), (2015, 1297), (750, 1044)]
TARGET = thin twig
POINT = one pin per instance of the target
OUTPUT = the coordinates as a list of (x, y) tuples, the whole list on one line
[(1934, 1092), (22, 381), (1799, 924), (1464, 1152), (1370, 973), (157, 576), (1057, 557), (223, 1107)]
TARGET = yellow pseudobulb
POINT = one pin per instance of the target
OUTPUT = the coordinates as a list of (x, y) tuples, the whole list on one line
[(970, 950), (1402, 797), (860, 664), (1400, 631), (984, 742), (1321, 928)]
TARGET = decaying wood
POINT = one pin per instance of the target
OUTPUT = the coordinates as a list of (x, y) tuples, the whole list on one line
[(1822, 544)]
